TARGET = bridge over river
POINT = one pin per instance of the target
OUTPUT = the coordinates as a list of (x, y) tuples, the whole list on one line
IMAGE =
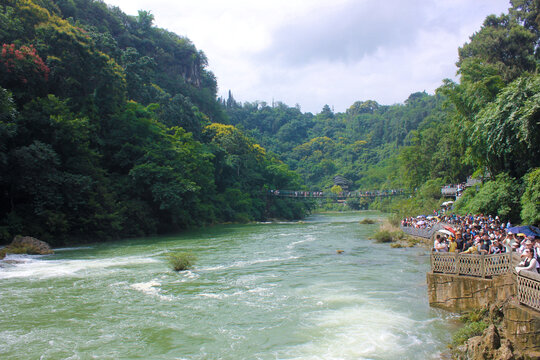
[(342, 195)]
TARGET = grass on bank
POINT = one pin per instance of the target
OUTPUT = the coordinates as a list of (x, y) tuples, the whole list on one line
[(475, 323), (180, 261), (389, 232)]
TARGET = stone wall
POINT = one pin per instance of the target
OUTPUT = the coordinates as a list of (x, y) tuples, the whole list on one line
[(458, 293), (522, 327), (463, 293)]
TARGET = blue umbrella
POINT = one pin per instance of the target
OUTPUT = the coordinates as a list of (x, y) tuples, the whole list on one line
[(528, 230)]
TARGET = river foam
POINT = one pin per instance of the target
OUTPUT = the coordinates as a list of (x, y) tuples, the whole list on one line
[(151, 288), (39, 267)]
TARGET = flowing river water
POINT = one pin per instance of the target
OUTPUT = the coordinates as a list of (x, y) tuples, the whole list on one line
[(258, 291)]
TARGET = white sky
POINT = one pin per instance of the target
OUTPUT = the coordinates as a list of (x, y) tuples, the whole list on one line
[(317, 52)]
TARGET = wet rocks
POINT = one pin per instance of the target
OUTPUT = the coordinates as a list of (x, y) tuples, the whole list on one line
[(26, 245)]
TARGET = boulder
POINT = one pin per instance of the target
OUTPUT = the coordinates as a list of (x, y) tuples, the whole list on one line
[(489, 346), (32, 245), (505, 352), (484, 347)]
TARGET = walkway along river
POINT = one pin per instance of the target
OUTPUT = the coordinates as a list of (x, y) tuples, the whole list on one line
[(261, 291)]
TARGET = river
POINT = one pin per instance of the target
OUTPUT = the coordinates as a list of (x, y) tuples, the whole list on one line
[(257, 291)]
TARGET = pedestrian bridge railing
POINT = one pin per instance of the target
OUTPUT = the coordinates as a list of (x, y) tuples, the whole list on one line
[(341, 195)]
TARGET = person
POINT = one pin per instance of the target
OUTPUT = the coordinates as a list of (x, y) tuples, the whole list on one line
[(522, 242), (467, 244), (467, 236), (440, 245), (528, 244), (452, 245), (473, 249), (536, 253), (484, 246), (459, 241), (528, 263), (508, 240), (496, 247)]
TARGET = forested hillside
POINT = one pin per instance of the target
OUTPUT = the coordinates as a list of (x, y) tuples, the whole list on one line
[(109, 127), (361, 144), (486, 125)]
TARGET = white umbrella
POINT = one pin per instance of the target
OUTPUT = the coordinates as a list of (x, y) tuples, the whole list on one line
[(446, 232), (446, 203), (421, 222)]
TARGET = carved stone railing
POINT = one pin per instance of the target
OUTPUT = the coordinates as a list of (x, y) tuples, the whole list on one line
[(423, 233), (486, 266), (471, 265), (528, 289)]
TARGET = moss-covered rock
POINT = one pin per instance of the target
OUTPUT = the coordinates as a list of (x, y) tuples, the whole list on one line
[(26, 245)]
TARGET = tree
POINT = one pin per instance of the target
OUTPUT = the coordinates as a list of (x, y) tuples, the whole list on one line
[(506, 134), (496, 197), (530, 200), (504, 43)]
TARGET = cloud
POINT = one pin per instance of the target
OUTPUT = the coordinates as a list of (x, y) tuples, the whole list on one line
[(347, 32), (317, 52)]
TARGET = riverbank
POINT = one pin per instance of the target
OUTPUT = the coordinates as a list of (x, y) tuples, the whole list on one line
[(388, 232)]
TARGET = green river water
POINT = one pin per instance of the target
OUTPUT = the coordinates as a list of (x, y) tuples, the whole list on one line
[(258, 291)]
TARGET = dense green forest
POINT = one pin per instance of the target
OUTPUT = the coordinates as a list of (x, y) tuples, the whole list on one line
[(361, 144), (486, 125), (110, 127)]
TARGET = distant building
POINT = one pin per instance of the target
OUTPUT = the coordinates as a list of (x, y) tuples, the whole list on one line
[(342, 182)]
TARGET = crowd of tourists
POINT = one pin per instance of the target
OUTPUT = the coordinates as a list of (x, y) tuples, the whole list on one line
[(482, 234), (421, 222)]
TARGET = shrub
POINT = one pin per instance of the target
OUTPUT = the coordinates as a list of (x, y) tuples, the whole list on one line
[(470, 330), (474, 316), (181, 261), (386, 236), (383, 236), (475, 325), (395, 220), (497, 197), (367, 221), (411, 242)]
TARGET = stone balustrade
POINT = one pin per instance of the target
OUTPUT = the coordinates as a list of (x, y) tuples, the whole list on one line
[(487, 266), (528, 289), (471, 265)]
